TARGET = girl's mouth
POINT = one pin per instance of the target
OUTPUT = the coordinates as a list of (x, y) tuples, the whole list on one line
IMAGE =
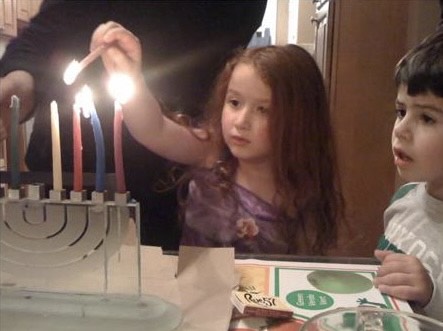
[(236, 140), (400, 157)]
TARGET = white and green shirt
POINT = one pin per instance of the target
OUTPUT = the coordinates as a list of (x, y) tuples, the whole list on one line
[(414, 226)]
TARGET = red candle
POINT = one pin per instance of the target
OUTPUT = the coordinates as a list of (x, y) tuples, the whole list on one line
[(77, 143), (118, 153)]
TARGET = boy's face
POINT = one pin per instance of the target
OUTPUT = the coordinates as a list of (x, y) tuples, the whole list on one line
[(417, 139)]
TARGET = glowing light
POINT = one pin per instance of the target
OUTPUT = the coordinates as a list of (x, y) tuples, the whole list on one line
[(121, 87), (84, 101), (71, 72), (75, 67)]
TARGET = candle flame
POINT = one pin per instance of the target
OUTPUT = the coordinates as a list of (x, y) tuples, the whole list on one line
[(121, 87), (71, 72), (84, 101), (76, 67)]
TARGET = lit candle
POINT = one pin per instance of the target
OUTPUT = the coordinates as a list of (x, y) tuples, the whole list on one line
[(75, 67), (122, 88), (88, 108), (56, 154), (118, 153), (99, 152), (77, 144), (14, 144)]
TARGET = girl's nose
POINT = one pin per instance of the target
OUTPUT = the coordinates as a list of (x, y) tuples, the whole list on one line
[(242, 120)]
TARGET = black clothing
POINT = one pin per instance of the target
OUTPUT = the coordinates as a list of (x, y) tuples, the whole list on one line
[(440, 23), (184, 44)]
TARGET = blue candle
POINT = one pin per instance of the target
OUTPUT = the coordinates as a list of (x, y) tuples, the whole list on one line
[(14, 146), (99, 152), (85, 102)]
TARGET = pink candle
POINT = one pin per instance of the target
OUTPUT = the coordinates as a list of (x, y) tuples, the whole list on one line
[(118, 153), (77, 143)]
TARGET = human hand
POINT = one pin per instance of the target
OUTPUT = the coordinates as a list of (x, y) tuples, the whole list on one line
[(18, 83), (5, 100), (3, 130), (124, 52), (403, 276)]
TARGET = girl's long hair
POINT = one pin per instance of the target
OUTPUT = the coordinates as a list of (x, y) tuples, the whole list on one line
[(304, 161)]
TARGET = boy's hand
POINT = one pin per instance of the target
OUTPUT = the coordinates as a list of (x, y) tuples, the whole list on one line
[(403, 276), (124, 53)]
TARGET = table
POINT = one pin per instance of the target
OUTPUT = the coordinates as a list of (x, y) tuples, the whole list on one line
[(198, 280), (309, 285)]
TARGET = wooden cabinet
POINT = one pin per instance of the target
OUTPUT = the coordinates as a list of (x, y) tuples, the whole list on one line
[(357, 57), (8, 18), (15, 14), (322, 21), (358, 43), (26, 9)]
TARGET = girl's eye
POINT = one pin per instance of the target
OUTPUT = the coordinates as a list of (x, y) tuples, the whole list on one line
[(427, 119), (234, 102), (400, 113), (262, 110)]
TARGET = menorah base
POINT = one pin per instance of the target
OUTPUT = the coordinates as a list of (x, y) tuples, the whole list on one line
[(44, 311), (54, 251)]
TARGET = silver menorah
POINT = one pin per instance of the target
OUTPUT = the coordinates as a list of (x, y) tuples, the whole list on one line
[(62, 261)]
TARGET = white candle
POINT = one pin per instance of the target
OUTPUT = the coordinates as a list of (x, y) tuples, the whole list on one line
[(56, 153)]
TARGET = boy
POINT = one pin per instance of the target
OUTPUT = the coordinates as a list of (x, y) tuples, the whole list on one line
[(411, 250)]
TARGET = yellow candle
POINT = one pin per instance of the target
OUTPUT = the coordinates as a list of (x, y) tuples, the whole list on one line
[(56, 154)]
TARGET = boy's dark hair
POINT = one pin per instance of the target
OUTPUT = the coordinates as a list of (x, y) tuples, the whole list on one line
[(421, 69)]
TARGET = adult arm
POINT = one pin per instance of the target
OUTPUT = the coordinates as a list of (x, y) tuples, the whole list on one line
[(18, 65), (31, 51), (27, 59)]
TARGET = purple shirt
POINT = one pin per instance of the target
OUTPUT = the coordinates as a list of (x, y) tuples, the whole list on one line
[(214, 219)]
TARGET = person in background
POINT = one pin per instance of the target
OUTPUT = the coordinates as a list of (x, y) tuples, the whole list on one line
[(440, 23), (411, 249), (185, 45), (262, 163)]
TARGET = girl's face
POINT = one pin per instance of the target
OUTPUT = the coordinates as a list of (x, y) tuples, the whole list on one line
[(417, 139), (245, 117)]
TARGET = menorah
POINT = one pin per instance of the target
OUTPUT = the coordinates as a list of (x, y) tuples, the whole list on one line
[(63, 261)]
